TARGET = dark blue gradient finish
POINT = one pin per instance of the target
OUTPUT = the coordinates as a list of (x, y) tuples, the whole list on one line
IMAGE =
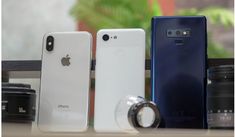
[(178, 72)]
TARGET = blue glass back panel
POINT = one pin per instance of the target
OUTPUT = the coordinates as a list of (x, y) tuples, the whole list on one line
[(178, 71)]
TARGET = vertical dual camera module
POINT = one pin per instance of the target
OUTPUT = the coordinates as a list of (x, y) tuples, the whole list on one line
[(50, 43), (178, 32), (106, 37)]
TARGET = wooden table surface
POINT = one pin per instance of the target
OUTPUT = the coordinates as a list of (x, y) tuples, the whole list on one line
[(28, 130)]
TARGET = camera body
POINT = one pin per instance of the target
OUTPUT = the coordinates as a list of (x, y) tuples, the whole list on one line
[(18, 103), (220, 97)]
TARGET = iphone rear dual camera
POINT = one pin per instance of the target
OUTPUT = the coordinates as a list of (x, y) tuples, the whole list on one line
[(50, 43)]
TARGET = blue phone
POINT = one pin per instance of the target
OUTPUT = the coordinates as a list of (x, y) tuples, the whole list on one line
[(178, 70)]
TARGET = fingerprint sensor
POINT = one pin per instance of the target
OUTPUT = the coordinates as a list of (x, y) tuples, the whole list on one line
[(179, 42)]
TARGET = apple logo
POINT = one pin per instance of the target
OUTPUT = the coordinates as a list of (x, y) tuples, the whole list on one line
[(65, 60)]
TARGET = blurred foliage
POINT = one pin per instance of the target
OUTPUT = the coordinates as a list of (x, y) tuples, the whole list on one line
[(99, 14), (216, 16)]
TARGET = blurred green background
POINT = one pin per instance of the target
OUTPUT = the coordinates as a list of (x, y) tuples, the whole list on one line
[(98, 14)]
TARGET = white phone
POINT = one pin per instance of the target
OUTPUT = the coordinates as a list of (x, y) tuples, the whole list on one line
[(65, 82), (120, 71)]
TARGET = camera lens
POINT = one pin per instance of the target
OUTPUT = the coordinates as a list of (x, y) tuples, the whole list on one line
[(50, 43), (105, 37), (177, 32), (169, 32), (18, 103), (220, 97), (135, 112)]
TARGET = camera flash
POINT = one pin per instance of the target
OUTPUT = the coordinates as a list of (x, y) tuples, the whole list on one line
[(49, 43), (185, 32)]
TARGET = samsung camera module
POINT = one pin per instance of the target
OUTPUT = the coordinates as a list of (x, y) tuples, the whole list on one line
[(178, 32)]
